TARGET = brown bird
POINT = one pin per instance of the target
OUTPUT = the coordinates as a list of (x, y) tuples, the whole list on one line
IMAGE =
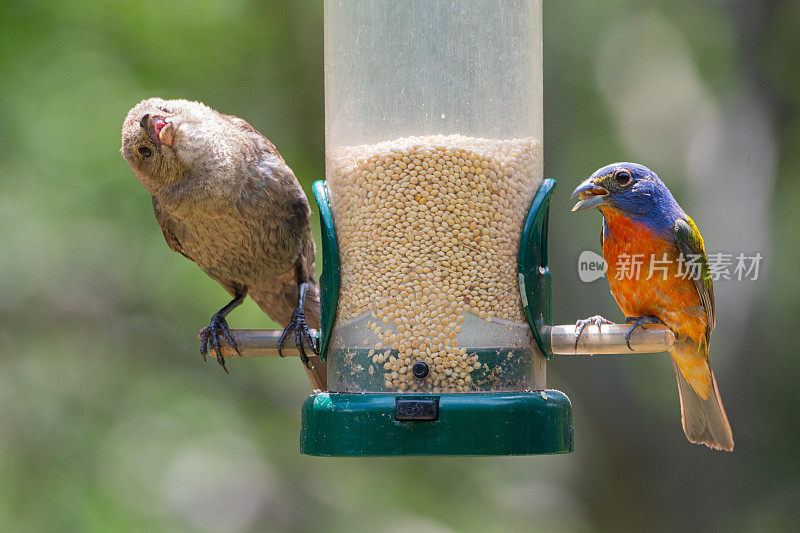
[(225, 199)]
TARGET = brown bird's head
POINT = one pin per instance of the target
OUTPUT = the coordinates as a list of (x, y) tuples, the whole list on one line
[(166, 141)]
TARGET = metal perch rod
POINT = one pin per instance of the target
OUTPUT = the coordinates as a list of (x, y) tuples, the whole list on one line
[(264, 343), (608, 339)]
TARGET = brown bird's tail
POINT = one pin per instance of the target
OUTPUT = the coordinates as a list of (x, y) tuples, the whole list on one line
[(702, 414)]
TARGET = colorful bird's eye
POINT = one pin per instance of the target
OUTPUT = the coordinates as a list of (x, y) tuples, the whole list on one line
[(144, 151), (623, 177)]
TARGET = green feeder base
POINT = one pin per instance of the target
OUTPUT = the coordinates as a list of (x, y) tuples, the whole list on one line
[(341, 424)]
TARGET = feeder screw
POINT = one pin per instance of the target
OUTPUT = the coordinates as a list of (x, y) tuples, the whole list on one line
[(420, 370)]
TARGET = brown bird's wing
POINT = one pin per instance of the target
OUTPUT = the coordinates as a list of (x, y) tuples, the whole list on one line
[(293, 223), (299, 211), (296, 224), (169, 227)]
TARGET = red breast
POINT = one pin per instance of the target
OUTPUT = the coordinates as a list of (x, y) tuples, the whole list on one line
[(644, 275)]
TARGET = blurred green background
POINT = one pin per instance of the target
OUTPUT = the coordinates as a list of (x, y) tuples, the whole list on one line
[(109, 421)]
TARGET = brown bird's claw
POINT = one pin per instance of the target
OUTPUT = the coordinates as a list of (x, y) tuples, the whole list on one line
[(580, 325), (203, 335), (302, 335), (639, 322), (298, 324), (211, 334)]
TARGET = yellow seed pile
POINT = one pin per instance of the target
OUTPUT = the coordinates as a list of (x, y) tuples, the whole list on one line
[(428, 230)]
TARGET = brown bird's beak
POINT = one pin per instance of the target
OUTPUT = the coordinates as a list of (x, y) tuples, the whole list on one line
[(591, 195), (160, 129)]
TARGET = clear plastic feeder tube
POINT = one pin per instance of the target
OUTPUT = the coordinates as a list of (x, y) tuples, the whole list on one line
[(433, 113)]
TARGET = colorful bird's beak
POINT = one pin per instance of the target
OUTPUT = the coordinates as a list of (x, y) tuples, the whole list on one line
[(160, 129), (591, 195)]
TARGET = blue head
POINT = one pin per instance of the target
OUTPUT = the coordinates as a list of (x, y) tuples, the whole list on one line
[(631, 189)]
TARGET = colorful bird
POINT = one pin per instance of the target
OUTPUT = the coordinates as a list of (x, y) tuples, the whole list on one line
[(658, 273)]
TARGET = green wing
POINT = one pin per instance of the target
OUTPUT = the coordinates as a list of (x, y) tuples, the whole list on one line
[(690, 242)]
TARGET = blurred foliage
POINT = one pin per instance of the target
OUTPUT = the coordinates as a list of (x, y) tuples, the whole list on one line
[(110, 421)]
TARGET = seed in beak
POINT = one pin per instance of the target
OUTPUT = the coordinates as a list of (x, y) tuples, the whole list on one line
[(166, 134)]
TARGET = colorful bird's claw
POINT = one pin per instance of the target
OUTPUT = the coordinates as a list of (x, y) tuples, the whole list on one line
[(580, 325), (302, 335), (639, 322), (211, 335)]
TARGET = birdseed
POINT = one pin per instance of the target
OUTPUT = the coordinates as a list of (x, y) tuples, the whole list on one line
[(428, 231)]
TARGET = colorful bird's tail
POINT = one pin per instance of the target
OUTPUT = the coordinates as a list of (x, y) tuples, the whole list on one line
[(704, 419)]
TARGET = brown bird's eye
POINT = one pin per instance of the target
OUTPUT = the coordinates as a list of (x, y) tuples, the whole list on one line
[(144, 151), (623, 177)]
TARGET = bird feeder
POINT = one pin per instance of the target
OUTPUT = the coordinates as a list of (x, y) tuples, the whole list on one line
[(436, 325), (435, 286)]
